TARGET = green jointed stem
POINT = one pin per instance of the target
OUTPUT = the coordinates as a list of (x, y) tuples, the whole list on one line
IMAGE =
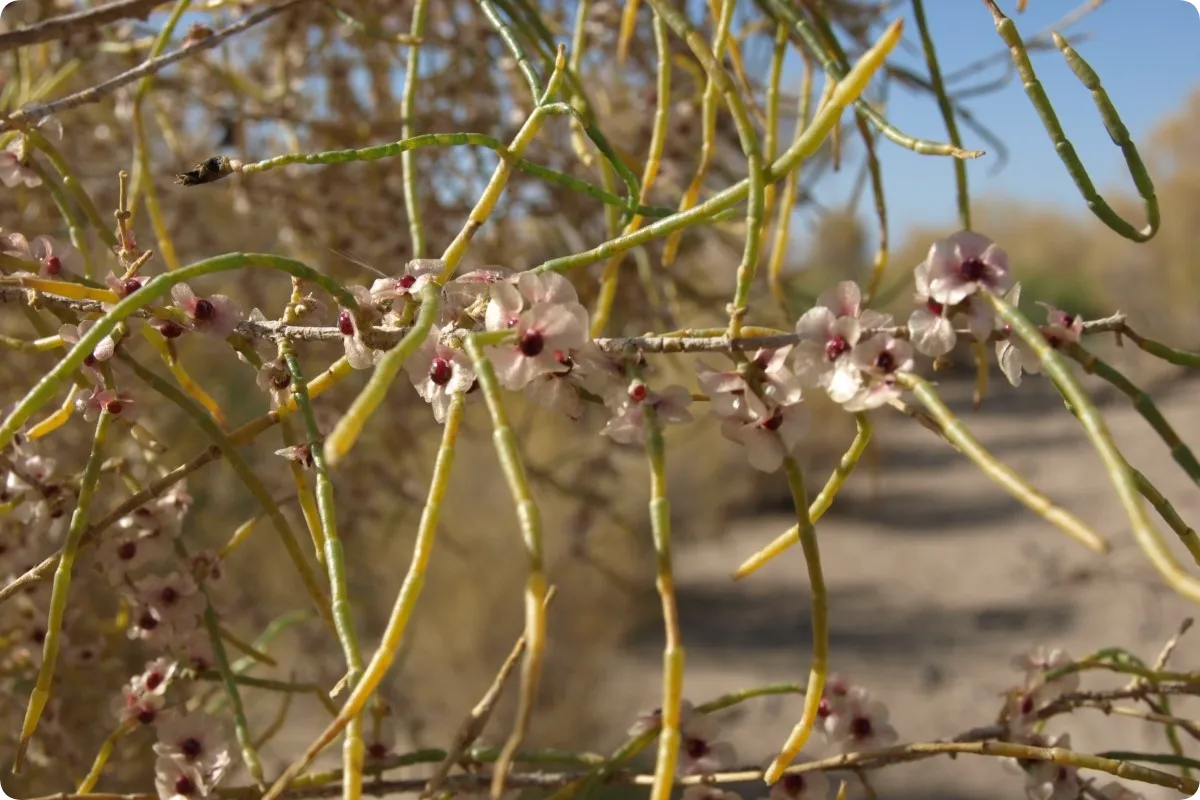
[(408, 168), (240, 724), (245, 473), (820, 503), (748, 137), (835, 64), (1055, 367), (820, 625), (636, 744), (408, 144), (530, 520), (335, 563), (541, 34), (1066, 152), (49, 384), (1163, 506), (104, 228), (804, 146), (350, 426), (957, 434), (1142, 403), (673, 656), (939, 90), (1171, 355), (62, 584)]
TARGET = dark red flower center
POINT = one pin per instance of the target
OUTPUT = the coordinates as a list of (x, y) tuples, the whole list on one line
[(973, 269), (131, 285), (154, 680), (147, 716), (114, 406), (147, 621), (169, 595), (191, 748), (824, 710), (377, 750), (793, 785), (934, 307), (637, 392), (861, 728), (184, 785), (53, 265), (885, 361), (204, 310), (695, 748), (345, 324), (1027, 704), (835, 347), (127, 550), (89, 360), (531, 343), (407, 281), (440, 372), (170, 330), (773, 422)]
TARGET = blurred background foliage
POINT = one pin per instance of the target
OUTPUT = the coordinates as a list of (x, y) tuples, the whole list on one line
[(309, 81)]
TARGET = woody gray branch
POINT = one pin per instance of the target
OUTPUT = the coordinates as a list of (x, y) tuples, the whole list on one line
[(973, 742), (67, 24), (30, 114), (387, 337)]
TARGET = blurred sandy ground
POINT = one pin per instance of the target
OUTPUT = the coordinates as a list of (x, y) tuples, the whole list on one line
[(936, 580)]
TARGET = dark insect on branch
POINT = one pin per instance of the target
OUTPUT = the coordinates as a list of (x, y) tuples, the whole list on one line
[(207, 171)]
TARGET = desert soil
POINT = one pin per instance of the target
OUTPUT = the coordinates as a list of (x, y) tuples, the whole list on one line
[(936, 579)]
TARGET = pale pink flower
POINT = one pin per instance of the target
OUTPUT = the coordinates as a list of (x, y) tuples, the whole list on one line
[(828, 333), (215, 315), (879, 359), (143, 697), (102, 352), (1045, 780), (438, 372), (54, 259), (508, 298), (779, 384), (962, 263), (770, 437), (417, 273), (627, 425), (543, 332), (729, 395), (193, 741), (122, 553), (122, 287), (114, 402), (860, 724), (195, 650), (176, 780), (175, 601), (465, 293), (13, 170), (300, 453), (357, 353), (700, 750), (812, 785), (1036, 692), (1015, 356)]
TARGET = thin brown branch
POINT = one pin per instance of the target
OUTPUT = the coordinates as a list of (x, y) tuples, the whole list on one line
[(61, 27), (23, 116)]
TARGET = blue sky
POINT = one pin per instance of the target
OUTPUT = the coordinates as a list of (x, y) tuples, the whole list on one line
[(1147, 53)]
